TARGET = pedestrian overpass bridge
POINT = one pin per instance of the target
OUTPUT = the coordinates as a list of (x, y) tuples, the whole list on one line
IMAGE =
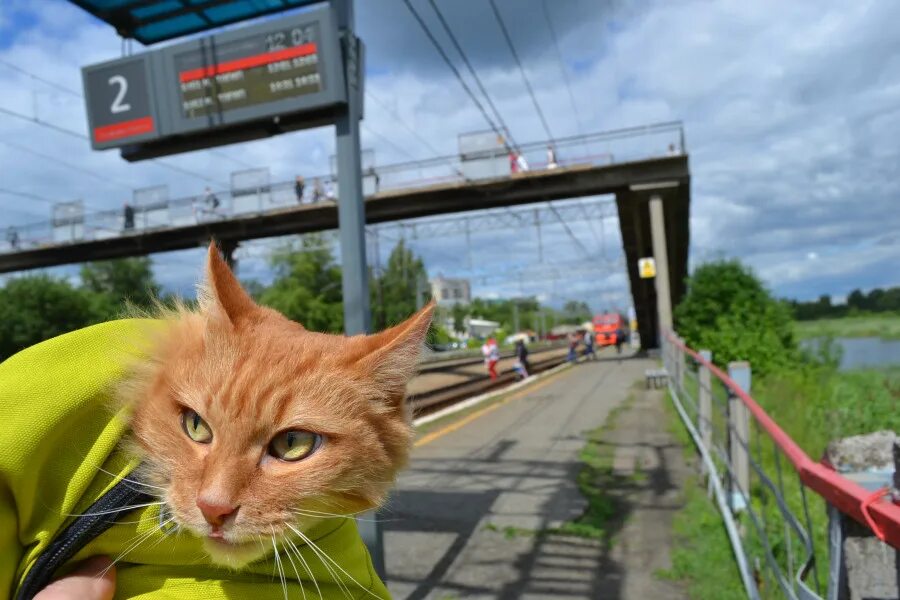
[(633, 164)]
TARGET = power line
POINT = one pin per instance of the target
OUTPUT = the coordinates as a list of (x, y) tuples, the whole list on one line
[(475, 76), (101, 177), (512, 49), (52, 84), (400, 120), (567, 228), (368, 129), (562, 64), (453, 68), (27, 195), (37, 121)]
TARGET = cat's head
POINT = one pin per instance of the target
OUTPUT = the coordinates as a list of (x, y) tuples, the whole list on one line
[(251, 423)]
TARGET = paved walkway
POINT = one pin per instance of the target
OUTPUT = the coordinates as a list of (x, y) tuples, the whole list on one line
[(458, 526)]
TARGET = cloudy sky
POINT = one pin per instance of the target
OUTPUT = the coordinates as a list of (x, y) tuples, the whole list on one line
[(790, 113)]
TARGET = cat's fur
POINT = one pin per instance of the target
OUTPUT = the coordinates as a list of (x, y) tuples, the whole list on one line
[(250, 373)]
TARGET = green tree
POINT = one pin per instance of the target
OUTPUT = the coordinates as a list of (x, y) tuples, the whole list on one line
[(577, 312), (400, 289), (113, 283), (459, 317), (307, 286), (36, 308), (728, 310)]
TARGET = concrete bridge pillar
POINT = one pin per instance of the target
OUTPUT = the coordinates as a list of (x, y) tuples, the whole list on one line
[(660, 254)]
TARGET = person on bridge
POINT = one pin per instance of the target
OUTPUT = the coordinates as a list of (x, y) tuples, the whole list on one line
[(128, 215), (318, 193), (12, 236), (211, 200), (299, 186), (491, 357), (329, 190), (551, 158)]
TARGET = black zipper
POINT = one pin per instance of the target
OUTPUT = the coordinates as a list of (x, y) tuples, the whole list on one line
[(98, 518)]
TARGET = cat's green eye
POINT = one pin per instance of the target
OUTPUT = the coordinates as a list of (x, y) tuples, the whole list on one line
[(195, 427), (294, 445)]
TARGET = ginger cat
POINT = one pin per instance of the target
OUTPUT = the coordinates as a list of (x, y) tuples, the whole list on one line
[(253, 427)]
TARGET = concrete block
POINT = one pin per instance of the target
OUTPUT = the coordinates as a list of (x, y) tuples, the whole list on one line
[(873, 569), (872, 451)]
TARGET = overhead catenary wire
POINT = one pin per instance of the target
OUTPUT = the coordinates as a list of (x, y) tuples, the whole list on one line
[(472, 71), (515, 55), (35, 120), (402, 122), (562, 65), (453, 68)]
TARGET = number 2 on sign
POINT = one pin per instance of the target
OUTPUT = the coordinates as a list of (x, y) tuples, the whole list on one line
[(117, 105)]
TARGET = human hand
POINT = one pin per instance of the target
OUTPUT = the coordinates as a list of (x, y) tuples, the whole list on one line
[(94, 579)]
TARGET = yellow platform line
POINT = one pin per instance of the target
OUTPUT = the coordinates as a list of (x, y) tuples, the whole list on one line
[(451, 427)]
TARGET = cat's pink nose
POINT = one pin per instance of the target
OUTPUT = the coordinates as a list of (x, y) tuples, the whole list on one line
[(215, 511)]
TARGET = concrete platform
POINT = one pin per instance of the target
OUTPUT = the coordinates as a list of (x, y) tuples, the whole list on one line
[(462, 523)]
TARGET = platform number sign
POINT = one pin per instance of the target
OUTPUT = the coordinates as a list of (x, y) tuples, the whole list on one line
[(647, 268), (119, 102)]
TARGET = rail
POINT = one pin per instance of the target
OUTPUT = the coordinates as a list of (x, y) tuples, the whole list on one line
[(767, 514), (252, 193)]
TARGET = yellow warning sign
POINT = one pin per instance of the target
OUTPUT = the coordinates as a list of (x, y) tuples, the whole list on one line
[(647, 268)]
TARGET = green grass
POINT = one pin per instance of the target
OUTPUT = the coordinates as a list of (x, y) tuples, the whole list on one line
[(814, 405), (882, 325), (597, 482)]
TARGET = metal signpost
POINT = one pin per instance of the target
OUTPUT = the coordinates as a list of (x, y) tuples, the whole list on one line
[(301, 71)]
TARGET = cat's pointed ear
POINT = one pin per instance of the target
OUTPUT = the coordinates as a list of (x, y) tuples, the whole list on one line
[(391, 357), (224, 296)]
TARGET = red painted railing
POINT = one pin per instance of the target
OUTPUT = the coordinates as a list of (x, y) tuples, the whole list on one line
[(870, 510)]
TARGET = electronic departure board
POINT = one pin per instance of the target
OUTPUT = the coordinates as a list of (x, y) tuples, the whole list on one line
[(279, 75)]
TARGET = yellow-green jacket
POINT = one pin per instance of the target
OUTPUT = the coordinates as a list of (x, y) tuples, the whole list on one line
[(57, 437)]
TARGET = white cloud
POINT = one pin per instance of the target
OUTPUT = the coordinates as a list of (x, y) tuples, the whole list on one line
[(789, 111)]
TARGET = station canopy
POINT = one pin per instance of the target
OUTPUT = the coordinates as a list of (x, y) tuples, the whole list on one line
[(151, 21)]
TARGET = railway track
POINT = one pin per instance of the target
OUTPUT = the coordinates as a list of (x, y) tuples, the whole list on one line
[(424, 401)]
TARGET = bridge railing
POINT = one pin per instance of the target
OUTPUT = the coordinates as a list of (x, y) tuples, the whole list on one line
[(774, 499), (603, 148)]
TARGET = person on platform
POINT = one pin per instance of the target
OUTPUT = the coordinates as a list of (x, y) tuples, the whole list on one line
[(620, 340), (330, 191), (491, 354), (128, 216), (552, 163), (573, 347), (589, 345), (299, 186), (522, 359)]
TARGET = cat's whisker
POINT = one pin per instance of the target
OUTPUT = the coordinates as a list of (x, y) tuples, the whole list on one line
[(115, 510), (313, 546), (134, 481), (334, 576), (278, 565), (141, 539), (287, 553), (305, 564), (321, 515)]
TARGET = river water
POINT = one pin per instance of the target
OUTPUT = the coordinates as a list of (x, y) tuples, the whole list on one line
[(864, 353)]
